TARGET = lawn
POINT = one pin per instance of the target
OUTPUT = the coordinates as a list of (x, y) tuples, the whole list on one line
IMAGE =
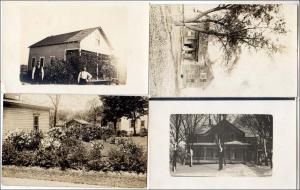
[(106, 179)]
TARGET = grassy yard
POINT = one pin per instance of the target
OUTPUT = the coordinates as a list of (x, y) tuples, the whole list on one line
[(108, 179)]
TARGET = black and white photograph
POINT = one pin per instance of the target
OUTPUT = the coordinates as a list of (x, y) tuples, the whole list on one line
[(86, 141), (221, 145), (223, 50), (213, 144)]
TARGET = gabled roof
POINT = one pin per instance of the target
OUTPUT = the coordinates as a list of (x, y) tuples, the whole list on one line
[(223, 123), (80, 121), (21, 104), (75, 36)]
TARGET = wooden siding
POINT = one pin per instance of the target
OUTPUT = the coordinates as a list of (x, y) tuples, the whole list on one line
[(90, 43), (53, 50), (22, 118)]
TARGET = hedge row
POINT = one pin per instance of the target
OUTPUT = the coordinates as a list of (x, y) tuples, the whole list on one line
[(57, 149)]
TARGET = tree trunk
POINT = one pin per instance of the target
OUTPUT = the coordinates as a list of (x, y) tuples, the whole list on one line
[(134, 129), (55, 117), (115, 127)]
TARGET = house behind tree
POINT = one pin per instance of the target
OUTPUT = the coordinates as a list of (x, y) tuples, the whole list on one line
[(19, 115), (239, 145)]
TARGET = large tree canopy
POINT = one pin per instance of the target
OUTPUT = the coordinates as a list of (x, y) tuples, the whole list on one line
[(235, 26)]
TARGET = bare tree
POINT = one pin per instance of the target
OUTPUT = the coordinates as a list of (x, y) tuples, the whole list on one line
[(262, 125), (176, 136), (55, 99), (190, 123), (94, 110)]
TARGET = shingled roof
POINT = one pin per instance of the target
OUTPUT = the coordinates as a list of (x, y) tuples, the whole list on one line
[(76, 36)]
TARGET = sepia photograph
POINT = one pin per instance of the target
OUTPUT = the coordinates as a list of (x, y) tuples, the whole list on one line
[(82, 47), (63, 140), (221, 145), (223, 50)]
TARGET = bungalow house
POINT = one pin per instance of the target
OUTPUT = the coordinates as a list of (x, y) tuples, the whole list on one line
[(239, 144), (64, 46), (24, 116), (127, 125)]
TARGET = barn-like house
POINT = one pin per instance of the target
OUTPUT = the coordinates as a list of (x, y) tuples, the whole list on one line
[(64, 46), (239, 144), (24, 116)]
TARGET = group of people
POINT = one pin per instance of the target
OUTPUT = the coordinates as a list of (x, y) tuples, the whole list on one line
[(38, 75)]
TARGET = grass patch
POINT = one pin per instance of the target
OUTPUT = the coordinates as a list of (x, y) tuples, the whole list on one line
[(107, 179)]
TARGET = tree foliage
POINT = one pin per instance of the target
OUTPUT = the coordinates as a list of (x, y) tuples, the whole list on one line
[(235, 26), (116, 107)]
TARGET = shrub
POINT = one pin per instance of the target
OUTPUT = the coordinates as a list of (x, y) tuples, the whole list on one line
[(46, 157), (21, 140), (106, 132), (25, 158), (8, 153), (127, 156)]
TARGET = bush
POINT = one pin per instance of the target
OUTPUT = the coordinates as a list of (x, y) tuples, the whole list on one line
[(106, 132), (60, 72), (21, 140), (127, 156), (25, 158), (8, 153)]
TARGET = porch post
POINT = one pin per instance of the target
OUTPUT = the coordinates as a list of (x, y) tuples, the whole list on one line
[(204, 153)]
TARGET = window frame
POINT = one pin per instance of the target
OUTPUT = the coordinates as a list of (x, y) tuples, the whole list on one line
[(36, 122)]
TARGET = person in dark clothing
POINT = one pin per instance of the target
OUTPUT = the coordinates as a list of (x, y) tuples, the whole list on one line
[(38, 73)]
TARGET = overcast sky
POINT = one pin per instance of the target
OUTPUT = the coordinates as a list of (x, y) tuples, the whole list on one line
[(68, 102), (43, 19)]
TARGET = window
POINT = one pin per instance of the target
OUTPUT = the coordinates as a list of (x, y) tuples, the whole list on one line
[(52, 59), (33, 59), (203, 77), (36, 122), (132, 123), (42, 59), (142, 123)]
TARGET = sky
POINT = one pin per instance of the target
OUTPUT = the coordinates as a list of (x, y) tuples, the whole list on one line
[(71, 103), (43, 19)]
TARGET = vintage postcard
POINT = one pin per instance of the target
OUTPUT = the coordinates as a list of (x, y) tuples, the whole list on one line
[(223, 50), (75, 46), (61, 140), (221, 145), (203, 142)]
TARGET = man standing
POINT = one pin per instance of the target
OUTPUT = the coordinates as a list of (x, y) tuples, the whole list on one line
[(38, 73), (84, 76)]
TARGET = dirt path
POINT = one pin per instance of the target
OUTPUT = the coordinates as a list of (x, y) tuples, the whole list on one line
[(8, 181)]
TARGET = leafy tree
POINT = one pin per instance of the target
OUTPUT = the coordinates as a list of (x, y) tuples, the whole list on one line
[(134, 108), (232, 27), (112, 109), (116, 107)]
